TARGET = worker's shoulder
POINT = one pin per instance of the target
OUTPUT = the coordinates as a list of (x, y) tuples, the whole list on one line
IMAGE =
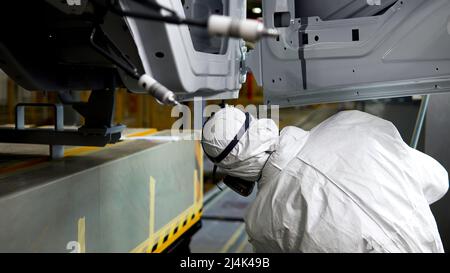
[(355, 124), (292, 139), (353, 135), (291, 132), (355, 117)]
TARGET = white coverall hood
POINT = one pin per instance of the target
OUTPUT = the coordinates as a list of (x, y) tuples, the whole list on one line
[(349, 185), (247, 159)]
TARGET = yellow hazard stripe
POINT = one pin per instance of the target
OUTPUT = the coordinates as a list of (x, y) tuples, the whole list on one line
[(159, 241), (89, 149), (168, 234)]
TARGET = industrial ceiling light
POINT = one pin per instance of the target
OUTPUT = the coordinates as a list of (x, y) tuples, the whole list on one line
[(257, 10)]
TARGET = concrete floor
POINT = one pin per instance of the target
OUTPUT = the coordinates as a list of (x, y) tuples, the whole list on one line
[(223, 229)]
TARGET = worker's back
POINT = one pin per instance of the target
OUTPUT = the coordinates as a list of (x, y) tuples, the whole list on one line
[(349, 185)]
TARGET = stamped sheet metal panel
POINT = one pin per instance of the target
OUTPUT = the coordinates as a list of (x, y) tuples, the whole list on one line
[(193, 72), (401, 51), (102, 201)]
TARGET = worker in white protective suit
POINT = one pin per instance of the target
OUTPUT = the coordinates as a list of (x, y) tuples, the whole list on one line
[(349, 185)]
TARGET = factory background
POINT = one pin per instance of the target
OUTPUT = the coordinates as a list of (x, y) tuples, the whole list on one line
[(223, 227), (144, 112)]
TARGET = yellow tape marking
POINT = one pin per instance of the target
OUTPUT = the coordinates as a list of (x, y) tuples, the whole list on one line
[(151, 225), (22, 165), (144, 133), (196, 187), (199, 155), (233, 239), (199, 180), (82, 234), (242, 245), (87, 149), (167, 230)]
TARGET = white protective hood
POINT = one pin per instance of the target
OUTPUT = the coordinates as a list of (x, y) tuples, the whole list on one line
[(349, 185), (247, 159)]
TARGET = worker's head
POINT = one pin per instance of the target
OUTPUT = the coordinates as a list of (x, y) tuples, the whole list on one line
[(238, 143)]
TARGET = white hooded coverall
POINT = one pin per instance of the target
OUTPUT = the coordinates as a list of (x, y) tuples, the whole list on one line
[(351, 184)]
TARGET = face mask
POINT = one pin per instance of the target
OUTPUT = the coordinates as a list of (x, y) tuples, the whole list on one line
[(238, 185)]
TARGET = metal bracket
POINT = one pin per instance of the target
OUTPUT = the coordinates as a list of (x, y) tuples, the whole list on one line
[(243, 64), (420, 121), (98, 129), (56, 151), (98, 113)]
